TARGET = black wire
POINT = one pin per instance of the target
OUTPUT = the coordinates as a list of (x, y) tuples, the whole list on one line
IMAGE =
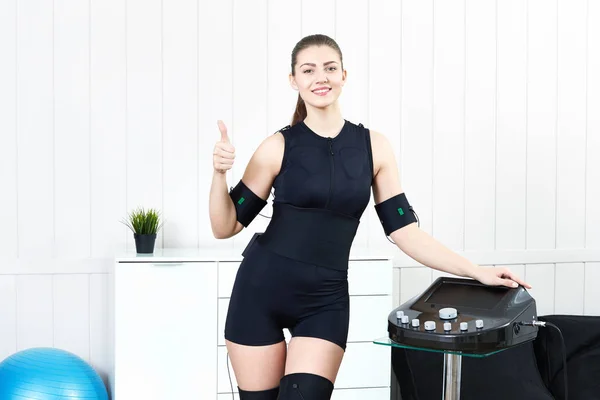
[(564, 357)]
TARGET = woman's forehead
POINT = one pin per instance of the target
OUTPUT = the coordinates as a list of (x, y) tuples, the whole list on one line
[(317, 55)]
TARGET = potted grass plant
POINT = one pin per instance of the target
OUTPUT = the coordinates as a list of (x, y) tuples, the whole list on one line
[(144, 224)]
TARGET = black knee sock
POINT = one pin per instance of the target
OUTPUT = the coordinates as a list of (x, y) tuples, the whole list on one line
[(305, 386), (270, 394)]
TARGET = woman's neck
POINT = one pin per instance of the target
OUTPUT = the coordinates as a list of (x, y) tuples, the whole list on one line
[(326, 122)]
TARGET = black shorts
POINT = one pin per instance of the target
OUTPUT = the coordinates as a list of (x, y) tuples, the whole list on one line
[(272, 292)]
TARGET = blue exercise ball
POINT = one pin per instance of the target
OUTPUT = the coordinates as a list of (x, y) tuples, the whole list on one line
[(49, 374)]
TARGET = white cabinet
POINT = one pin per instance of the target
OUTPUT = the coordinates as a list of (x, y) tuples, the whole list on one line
[(167, 314)]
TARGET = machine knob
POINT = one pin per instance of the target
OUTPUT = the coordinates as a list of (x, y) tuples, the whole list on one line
[(448, 313), (399, 314), (479, 324), (464, 326), (429, 325), (405, 319), (415, 323), (447, 326)]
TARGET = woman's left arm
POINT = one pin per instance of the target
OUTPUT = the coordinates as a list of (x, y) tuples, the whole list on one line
[(416, 243)]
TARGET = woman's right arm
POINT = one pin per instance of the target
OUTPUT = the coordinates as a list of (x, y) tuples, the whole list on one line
[(259, 175)]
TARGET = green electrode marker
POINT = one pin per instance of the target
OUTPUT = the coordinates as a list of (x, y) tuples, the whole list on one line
[(400, 211), (241, 200)]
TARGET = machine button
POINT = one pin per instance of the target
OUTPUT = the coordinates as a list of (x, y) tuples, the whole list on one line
[(415, 323), (447, 326), (399, 314), (405, 319), (448, 313), (429, 325), (479, 324), (464, 326)]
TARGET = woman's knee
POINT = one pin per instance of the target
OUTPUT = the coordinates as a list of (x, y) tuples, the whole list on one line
[(305, 386)]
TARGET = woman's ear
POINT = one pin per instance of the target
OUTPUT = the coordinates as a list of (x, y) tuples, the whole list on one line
[(344, 75), (293, 82)]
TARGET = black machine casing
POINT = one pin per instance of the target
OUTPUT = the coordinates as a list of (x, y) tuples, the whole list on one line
[(500, 308)]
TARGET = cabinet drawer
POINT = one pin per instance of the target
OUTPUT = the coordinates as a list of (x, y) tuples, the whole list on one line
[(368, 318), (338, 394), (365, 365), (364, 277)]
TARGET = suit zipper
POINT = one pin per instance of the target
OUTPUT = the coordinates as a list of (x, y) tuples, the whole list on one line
[(332, 170)]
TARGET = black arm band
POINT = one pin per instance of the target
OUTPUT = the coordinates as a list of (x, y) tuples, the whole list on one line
[(247, 204), (395, 213)]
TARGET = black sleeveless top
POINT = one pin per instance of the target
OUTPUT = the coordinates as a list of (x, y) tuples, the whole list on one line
[(326, 173)]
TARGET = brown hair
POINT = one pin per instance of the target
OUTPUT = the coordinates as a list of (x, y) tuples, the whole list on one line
[(305, 42)]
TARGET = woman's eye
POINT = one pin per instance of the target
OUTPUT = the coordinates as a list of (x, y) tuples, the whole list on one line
[(332, 68), (307, 70)]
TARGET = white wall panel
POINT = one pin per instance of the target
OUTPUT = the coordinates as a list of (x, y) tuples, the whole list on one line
[(541, 125), (591, 301), (480, 124), (35, 128), (8, 127), (72, 128), (108, 97), (571, 133), (99, 324), (569, 288), (215, 101), (284, 30), (72, 314), (592, 170), (541, 277), (35, 311), (144, 106), (385, 92), (8, 315), (318, 16), (249, 126), (414, 281), (511, 125), (449, 122), (417, 107), (180, 122)]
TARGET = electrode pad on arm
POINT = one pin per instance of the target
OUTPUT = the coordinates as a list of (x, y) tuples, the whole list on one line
[(395, 213), (247, 204)]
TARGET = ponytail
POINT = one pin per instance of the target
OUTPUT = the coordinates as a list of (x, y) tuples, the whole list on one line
[(300, 113)]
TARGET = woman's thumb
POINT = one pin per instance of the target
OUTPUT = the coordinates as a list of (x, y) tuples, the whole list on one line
[(223, 129)]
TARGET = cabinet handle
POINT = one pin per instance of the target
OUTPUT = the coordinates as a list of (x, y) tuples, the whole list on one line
[(167, 264)]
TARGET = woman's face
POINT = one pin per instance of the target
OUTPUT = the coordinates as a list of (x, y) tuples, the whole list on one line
[(318, 76)]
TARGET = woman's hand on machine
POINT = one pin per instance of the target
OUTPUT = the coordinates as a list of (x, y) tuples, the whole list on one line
[(498, 277)]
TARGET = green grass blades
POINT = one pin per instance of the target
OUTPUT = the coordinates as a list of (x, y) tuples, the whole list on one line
[(143, 222)]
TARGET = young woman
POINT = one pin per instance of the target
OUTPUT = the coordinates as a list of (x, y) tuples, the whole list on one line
[(294, 275)]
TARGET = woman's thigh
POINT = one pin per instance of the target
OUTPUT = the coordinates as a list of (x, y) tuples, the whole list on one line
[(257, 367), (315, 356)]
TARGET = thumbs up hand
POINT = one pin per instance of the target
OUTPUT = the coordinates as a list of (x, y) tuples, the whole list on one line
[(224, 152)]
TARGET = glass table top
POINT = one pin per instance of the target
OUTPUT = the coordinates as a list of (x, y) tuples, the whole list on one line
[(386, 341)]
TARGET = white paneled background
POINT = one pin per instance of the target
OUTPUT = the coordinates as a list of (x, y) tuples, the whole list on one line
[(492, 107)]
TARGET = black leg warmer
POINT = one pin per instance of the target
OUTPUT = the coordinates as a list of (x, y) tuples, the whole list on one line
[(270, 394), (303, 386)]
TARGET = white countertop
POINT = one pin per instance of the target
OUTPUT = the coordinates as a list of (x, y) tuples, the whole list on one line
[(208, 254)]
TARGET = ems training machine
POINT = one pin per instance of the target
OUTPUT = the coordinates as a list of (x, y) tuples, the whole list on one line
[(463, 317)]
